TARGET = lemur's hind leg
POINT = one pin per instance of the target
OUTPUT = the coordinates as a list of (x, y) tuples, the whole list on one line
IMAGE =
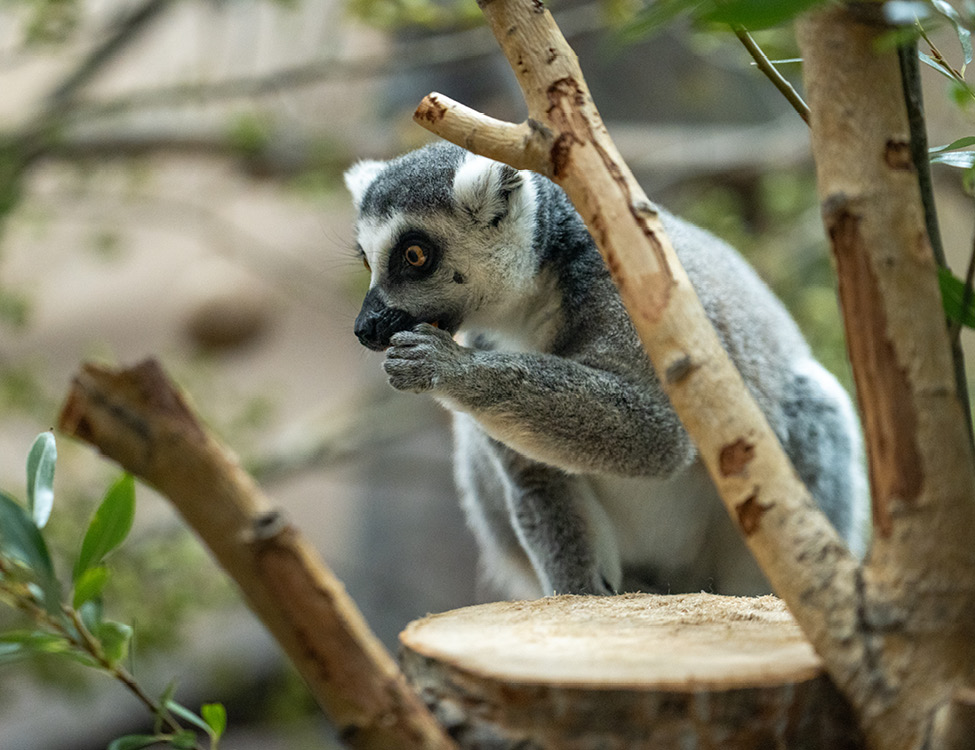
[(563, 529)]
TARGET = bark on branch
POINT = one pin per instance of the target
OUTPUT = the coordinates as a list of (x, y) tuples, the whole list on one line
[(138, 418)]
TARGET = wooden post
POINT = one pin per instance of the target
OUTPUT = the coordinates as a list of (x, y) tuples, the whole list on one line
[(633, 671)]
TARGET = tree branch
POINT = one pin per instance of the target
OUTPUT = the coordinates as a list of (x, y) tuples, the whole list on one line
[(137, 418), (795, 545), (911, 82), (918, 591)]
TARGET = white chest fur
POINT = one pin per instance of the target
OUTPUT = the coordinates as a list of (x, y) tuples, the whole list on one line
[(662, 523)]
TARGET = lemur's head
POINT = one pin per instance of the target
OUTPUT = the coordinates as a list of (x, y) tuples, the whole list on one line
[(446, 235)]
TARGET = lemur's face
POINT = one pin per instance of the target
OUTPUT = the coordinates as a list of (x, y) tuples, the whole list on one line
[(446, 237)]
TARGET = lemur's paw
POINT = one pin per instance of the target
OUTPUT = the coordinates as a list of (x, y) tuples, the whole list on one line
[(593, 584), (417, 360)]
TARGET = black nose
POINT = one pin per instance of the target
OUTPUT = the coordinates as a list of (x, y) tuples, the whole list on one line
[(367, 331), (377, 322)]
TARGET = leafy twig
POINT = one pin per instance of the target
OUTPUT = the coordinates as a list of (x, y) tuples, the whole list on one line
[(28, 583), (79, 637), (90, 645), (768, 68)]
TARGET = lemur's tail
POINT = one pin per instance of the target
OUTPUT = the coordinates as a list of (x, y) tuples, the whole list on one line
[(825, 444)]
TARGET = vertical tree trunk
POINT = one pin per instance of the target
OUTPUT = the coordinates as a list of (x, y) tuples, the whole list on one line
[(917, 593)]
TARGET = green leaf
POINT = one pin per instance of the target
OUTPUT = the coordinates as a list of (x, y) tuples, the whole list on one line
[(968, 140), (964, 35), (961, 159), (91, 614), (186, 715), (89, 585), (656, 15), (40, 478), (21, 540), (931, 62), (18, 644), (109, 526), (952, 296), (82, 658), (115, 638), (136, 742), (164, 700), (185, 740), (11, 652), (215, 715), (756, 14)]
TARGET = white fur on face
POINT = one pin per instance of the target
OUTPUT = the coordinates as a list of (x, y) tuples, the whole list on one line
[(359, 177), (376, 237)]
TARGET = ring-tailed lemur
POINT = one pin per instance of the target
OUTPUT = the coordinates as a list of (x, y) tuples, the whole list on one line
[(575, 473)]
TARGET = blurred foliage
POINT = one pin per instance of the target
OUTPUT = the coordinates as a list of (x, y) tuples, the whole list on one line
[(48, 21), (427, 14), (65, 618), (21, 391), (650, 16), (249, 134)]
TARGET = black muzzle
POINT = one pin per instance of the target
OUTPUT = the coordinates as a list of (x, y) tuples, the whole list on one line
[(377, 322)]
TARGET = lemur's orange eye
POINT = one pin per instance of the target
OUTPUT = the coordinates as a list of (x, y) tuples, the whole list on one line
[(365, 262), (415, 256)]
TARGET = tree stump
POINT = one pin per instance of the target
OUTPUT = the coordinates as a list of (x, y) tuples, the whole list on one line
[(632, 671)]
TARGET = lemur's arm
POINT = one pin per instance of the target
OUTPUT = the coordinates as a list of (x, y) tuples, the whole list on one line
[(554, 410)]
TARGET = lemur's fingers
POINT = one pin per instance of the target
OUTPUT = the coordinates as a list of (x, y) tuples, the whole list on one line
[(420, 335)]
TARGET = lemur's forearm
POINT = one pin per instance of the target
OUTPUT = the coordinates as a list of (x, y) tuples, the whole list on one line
[(567, 414)]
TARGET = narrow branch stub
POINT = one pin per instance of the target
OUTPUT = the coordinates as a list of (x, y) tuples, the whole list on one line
[(523, 145)]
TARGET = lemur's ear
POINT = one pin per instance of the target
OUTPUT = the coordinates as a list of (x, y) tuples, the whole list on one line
[(485, 189), (359, 177)]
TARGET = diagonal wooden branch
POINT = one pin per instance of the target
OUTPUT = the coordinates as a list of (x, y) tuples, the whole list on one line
[(138, 418), (565, 139)]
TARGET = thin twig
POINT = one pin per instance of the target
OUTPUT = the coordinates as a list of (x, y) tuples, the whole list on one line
[(910, 69), (966, 299), (768, 68), (87, 642), (82, 639)]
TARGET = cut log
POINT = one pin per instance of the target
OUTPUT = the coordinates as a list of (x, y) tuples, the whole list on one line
[(631, 671)]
